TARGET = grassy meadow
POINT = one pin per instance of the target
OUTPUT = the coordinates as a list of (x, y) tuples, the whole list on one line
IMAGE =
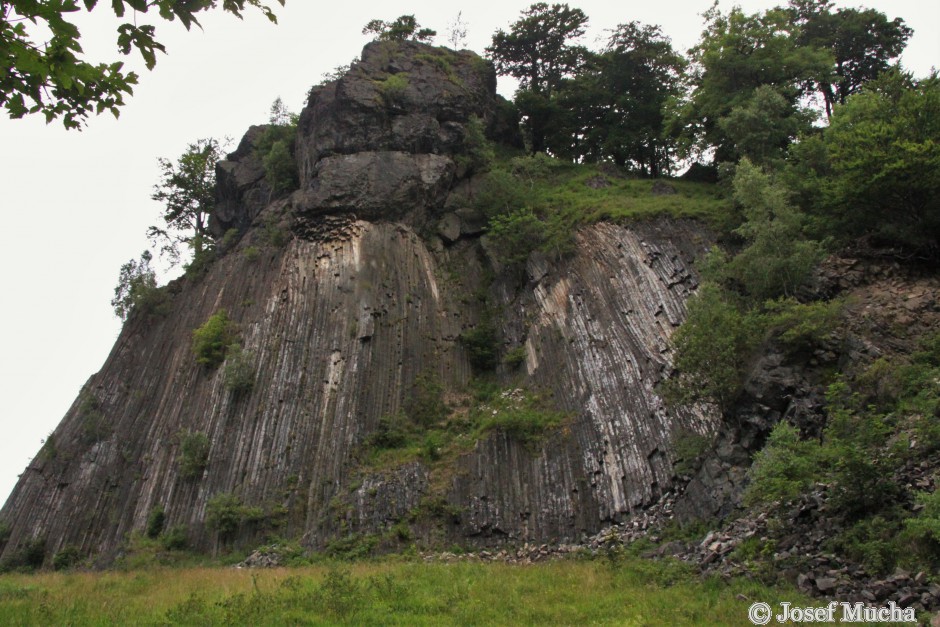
[(627, 591)]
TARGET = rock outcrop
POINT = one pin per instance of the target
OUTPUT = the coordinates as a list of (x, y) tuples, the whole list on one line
[(342, 303)]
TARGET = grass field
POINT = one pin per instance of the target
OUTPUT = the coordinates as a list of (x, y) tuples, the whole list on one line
[(629, 591)]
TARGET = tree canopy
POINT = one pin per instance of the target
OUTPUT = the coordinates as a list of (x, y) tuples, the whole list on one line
[(405, 27), (42, 67), (537, 49), (187, 191), (862, 43)]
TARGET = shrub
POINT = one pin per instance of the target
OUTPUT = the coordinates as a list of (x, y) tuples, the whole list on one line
[(519, 415), (689, 447), (924, 529), (873, 542), (712, 349), (229, 239), (28, 556), (393, 431), (280, 168), (785, 468), (225, 513), (426, 405), (499, 193), (194, 453), (212, 340), (137, 288), (94, 425), (175, 538), (478, 155), (516, 357), (393, 88), (155, 521), (66, 558), (802, 327), (778, 258), (239, 371), (515, 235), (482, 346), (251, 253)]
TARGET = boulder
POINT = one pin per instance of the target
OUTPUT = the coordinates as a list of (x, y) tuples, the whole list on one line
[(401, 96), (377, 185), (241, 189)]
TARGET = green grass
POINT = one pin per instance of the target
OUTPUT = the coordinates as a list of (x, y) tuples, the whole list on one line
[(538, 203), (630, 592)]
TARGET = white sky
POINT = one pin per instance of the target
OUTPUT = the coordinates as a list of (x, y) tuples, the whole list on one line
[(74, 206)]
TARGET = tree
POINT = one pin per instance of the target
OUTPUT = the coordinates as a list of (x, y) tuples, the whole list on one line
[(737, 54), (404, 28), (762, 128), (187, 190), (617, 102), (863, 42), (136, 283), (778, 258), (41, 65), (882, 154), (538, 52), (457, 32)]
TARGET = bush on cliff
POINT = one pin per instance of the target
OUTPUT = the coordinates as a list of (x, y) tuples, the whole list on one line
[(212, 341)]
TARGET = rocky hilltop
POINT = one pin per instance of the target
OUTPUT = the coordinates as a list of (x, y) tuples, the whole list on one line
[(352, 297)]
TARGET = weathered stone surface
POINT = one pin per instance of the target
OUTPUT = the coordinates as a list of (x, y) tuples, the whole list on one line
[(377, 185), (449, 227), (401, 96), (241, 189), (338, 330)]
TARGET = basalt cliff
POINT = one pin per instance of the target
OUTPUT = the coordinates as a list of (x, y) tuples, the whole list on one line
[(348, 295)]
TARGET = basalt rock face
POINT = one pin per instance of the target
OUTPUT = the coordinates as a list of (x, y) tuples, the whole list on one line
[(241, 189), (377, 141), (340, 317)]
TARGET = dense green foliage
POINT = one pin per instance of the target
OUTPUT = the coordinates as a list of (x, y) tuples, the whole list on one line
[(275, 148), (880, 422), (212, 341), (187, 191), (404, 28), (42, 69), (631, 590), (137, 288), (194, 454), (879, 168), (225, 514), (239, 371)]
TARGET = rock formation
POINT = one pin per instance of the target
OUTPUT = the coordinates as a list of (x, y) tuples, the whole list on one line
[(345, 294)]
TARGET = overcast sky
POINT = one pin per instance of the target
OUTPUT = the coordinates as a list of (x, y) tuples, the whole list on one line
[(74, 206)]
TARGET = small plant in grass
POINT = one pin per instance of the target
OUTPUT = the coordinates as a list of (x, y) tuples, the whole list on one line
[(212, 340), (194, 453)]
